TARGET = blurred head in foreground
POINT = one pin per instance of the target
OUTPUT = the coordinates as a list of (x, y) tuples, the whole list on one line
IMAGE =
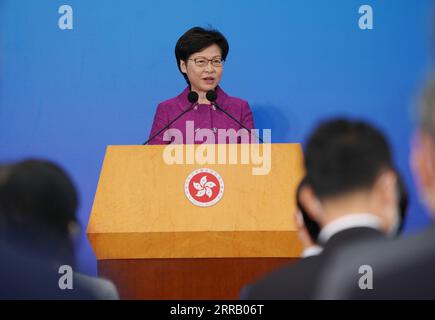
[(423, 147), (38, 204), (350, 171)]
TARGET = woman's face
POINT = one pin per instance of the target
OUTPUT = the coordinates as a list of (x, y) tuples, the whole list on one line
[(203, 78)]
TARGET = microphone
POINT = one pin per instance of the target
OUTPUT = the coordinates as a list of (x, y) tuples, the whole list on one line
[(211, 96), (193, 99)]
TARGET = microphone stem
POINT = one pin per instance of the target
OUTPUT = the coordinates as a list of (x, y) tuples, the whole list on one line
[(229, 115), (169, 124)]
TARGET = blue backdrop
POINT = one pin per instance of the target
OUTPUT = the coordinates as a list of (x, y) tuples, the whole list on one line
[(67, 94)]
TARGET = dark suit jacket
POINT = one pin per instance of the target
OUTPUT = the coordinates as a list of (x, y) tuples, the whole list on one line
[(25, 276), (402, 269), (300, 280)]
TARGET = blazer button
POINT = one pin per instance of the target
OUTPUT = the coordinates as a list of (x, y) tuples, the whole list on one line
[(195, 108)]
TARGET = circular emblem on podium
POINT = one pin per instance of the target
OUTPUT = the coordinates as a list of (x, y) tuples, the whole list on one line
[(204, 187)]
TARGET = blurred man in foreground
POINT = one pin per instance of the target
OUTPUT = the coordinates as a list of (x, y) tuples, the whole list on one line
[(351, 193), (38, 204), (403, 269)]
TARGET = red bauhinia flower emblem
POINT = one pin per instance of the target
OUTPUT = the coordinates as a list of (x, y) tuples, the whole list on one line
[(204, 187)]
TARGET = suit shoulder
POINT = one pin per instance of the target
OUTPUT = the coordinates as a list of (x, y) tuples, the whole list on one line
[(168, 103), (292, 281), (102, 289)]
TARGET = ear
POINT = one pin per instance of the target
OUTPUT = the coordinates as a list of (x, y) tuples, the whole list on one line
[(74, 229), (298, 220), (422, 160), (183, 66), (311, 203), (386, 187)]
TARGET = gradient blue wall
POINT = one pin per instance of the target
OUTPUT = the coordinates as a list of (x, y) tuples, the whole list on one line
[(66, 95)]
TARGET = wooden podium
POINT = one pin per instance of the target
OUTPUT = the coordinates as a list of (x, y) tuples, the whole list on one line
[(153, 243)]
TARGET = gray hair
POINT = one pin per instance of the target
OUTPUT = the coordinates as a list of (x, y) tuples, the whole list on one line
[(426, 114)]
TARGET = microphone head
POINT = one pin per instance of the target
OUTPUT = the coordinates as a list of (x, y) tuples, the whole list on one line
[(192, 97), (211, 95)]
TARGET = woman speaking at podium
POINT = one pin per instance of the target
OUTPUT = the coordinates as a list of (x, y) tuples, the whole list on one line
[(200, 56)]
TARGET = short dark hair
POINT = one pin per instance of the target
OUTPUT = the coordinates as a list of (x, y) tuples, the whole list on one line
[(343, 156), (403, 203), (197, 39), (38, 203)]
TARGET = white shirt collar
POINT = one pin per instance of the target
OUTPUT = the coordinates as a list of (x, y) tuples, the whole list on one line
[(311, 251), (349, 221)]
